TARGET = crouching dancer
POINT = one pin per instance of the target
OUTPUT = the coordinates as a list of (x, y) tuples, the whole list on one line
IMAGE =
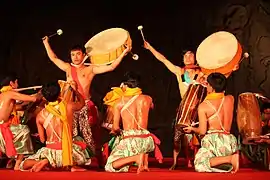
[(219, 151), (15, 140), (56, 120), (136, 141)]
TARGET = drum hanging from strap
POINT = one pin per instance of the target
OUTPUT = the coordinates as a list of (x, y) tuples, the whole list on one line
[(108, 119), (220, 52), (188, 108), (107, 46), (66, 91), (248, 117)]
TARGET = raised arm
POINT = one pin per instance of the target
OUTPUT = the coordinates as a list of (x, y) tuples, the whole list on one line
[(174, 69), (21, 97), (58, 62), (111, 67)]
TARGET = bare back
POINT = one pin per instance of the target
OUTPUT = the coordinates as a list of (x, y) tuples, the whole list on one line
[(51, 124), (6, 106), (85, 76), (219, 119), (135, 115)]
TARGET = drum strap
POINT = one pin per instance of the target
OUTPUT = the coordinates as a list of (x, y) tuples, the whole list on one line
[(126, 108), (76, 79), (216, 114), (48, 122)]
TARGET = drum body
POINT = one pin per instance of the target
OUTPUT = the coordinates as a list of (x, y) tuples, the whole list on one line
[(220, 52), (107, 46), (188, 108), (248, 117), (66, 91), (108, 119)]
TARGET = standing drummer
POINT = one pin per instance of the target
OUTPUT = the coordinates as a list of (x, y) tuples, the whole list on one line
[(185, 77), (86, 119)]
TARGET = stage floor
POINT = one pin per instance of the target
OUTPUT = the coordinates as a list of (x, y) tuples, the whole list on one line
[(157, 171)]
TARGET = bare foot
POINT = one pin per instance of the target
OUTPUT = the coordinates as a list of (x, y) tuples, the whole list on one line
[(77, 169), (145, 164), (189, 164), (40, 165), (235, 163), (17, 165), (139, 162), (173, 167)]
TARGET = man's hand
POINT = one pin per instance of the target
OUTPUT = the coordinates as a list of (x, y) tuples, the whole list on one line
[(115, 131), (146, 45), (74, 85), (45, 39), (188, 129), (39, 96)]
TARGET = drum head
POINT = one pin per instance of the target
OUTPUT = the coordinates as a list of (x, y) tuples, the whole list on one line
[(106, 41), (218, 50)]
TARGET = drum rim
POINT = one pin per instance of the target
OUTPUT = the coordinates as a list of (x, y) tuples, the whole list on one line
[(93, 53), (231, 63)]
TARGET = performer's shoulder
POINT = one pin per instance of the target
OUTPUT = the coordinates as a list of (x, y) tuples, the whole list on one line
[(229, 98), (145, 97)]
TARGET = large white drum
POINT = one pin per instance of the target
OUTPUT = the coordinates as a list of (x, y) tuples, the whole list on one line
[(219, 52), (107, 46)]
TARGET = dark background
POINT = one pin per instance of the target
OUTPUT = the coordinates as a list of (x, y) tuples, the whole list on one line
[(170, 26)]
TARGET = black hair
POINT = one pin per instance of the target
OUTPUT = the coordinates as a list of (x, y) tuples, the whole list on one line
[(5, 81), (51, 91), (131, 79), (218, 81), (78, 48)]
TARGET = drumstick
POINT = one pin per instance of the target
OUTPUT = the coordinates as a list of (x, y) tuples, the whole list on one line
[(140, 29), (246, 55), (27, 88)]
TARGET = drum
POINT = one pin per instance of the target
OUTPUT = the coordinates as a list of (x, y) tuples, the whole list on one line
[(220, 52), (248, 117), (108, 120), (107, 46), (188, 108), (66, 91)]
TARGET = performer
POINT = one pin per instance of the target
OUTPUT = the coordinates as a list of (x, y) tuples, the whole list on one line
[(56, 118), (185, 76), (15, 140), (219, 147), (86, 118), (136, 141)]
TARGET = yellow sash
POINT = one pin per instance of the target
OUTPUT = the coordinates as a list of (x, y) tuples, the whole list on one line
[(6, 88), (212, 96), (13, 116), (66, 134), (117, 92)]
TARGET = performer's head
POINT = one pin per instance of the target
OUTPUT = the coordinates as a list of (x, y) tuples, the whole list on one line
[(10, 80), (77, 54), (51, 91), (216, 83), (131, 80), (189, 58)]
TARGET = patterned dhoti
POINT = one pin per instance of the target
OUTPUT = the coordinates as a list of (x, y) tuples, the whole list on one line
[(85, 123), (215, 144), (53, 153), (21, 139), (133, 142)]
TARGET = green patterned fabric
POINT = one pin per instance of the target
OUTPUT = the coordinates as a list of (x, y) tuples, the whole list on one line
[(21, 139), (55, 156), (215, 144), (129, 147)]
